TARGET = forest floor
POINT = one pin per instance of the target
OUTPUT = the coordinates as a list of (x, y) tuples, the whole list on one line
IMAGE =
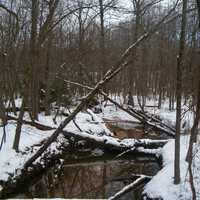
[(161, 186)]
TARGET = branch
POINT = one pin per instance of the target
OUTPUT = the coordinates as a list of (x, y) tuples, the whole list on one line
[(14, 15), (62, 18), (9, 11)]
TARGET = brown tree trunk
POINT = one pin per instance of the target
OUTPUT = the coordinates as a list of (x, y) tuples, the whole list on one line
[(137, 8), (19, 127), (194, 130), (47, 78), (180, 62), (34, 56)]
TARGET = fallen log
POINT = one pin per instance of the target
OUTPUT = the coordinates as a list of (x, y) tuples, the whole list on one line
[(143, 117), (133, 186), (145, 146), (151, 118), (131, 177), (17, 109), (32, 123)]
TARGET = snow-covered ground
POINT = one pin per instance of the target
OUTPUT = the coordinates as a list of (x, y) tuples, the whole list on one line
[(10, 161), (160, 186)]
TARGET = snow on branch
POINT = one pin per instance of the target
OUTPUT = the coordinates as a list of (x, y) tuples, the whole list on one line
[(134, 185)]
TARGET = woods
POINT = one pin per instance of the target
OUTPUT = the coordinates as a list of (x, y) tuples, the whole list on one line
[(62, 59)]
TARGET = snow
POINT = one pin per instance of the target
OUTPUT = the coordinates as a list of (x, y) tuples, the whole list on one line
[(169, 117), (162, 184), (126, 188), (12, 162), (88, 122), (9, 159), (110, 112), (93, 126)]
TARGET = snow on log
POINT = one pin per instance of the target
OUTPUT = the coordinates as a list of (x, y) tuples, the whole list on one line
[(137, 183), (146, 146)]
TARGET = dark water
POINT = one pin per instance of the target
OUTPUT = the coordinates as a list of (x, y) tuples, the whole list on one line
[(91, 179)]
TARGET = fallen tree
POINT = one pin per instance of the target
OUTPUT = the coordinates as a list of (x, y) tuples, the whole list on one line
[(123, 62), (140, 181), (32, 123), (109, 142), (144, 117)]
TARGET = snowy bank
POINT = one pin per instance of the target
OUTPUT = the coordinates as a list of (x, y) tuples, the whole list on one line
[(12, 162), (161, 186)]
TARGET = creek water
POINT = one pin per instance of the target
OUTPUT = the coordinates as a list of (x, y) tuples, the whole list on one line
[(91, 178)]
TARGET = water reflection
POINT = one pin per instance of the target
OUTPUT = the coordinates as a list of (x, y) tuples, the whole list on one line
[(91, 180)]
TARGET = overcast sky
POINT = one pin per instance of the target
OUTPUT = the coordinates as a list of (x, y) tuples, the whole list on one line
[(127, 4)]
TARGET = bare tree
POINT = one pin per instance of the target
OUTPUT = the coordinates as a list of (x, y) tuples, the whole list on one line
[(194, 130), (180, 62)]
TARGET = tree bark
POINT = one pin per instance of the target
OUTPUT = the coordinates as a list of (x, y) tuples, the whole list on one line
[(180, 62), (19, 127), (194, 130), (34, 56)]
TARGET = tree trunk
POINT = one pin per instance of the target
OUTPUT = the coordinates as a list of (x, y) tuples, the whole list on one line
[(19, 127), (194, 130), (34, 56), (180, 62), (137, 8), (47, 78)]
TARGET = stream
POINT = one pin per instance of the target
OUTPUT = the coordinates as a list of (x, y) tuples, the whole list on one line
[(92, 178), (85, 175)]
